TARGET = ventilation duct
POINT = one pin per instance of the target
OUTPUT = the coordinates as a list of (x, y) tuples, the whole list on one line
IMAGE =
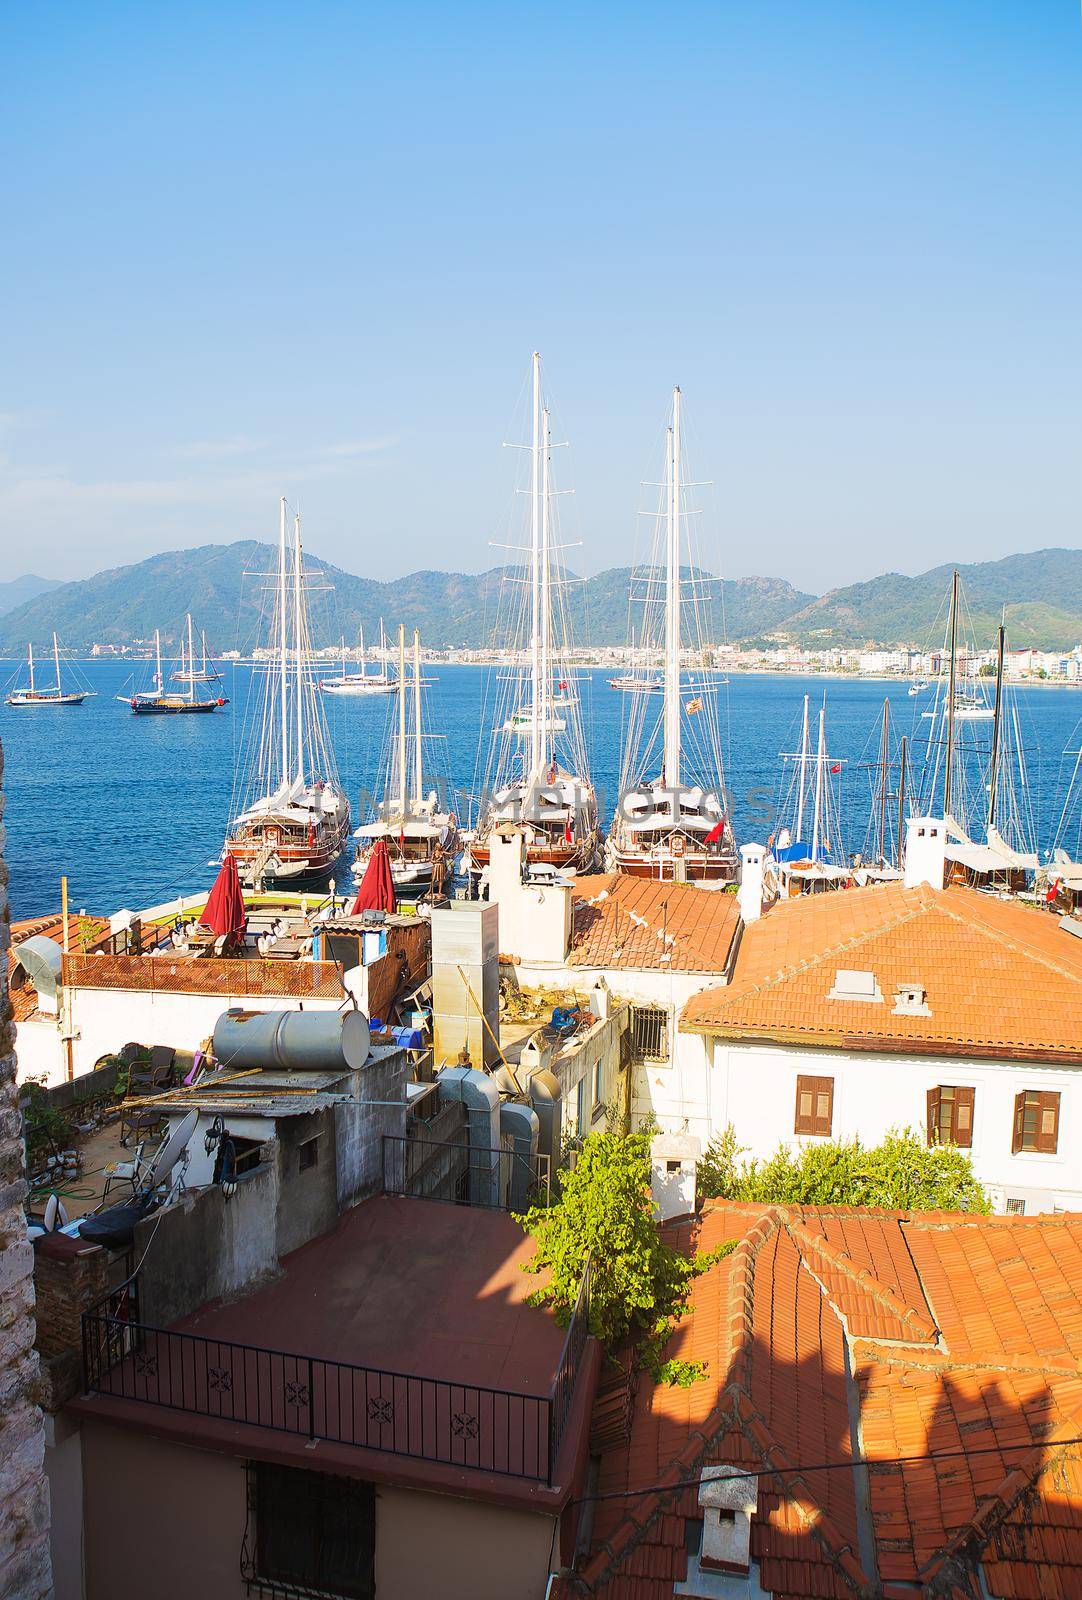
[(523, 1126), (477, 1092), (42, 959)]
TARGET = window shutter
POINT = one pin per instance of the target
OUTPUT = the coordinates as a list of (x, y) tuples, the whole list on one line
[(933, 1116), (962, 1118), (824, 1105), (814, 1105), (1047, 1123), (1019, 1113)]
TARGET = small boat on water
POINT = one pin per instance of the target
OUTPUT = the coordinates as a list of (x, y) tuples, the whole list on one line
[(915, 689), (807, 854), (672, 822), (421, 839), (205, 672), (363, 682), (55, 694), (537, 778), (630, 684), (294, 818), (162, 702)]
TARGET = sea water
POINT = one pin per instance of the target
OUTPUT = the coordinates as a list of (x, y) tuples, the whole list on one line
[(134, 809)]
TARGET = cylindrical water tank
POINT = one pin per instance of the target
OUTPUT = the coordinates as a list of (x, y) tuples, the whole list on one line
[(293, 1041)]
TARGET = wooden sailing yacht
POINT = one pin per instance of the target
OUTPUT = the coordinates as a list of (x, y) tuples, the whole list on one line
[(295, 819), (807, 850), (538, 776), (422, 839), (978, 789), (160, 701), (205, 671), (55, 694), (362, 683), (672, 822)]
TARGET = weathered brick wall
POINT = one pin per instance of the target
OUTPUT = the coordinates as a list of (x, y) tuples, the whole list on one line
[(25, 1572)]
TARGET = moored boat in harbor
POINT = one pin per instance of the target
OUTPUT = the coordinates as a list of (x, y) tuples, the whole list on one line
[(159, 701), (55, 694), (294, 820)]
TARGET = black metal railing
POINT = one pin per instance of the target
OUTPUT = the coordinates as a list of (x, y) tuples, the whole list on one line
[(567, 1373), (497, 1177), (430, 1419)]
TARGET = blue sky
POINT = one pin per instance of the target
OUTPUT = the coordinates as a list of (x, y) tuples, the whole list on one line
[(308, 249)]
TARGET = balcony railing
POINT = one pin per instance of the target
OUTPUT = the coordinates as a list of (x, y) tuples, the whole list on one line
[(429, 1419), (190, 974), (432, 1169)]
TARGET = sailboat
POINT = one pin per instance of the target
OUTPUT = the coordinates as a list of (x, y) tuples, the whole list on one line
[(296, 819), (55, 694), (807, 850), (160, 701), (672, 822), (363, 682), (978, 789), (422, 839), (538, 777), (882, 858), (205, 672)]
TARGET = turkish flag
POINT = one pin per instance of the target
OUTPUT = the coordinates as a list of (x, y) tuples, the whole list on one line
[(716, 832), (569, 837), (837, 767)]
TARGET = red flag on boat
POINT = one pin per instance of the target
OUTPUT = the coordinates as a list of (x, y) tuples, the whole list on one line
[(716, 832), (837, 767), (224, 910), (377, 886), (569, 837)]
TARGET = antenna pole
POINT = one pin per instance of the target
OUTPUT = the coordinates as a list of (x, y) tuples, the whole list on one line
[(672, 603), (417, 768), (401, 720), (948, 772), (535, 574), (819, 764), (298, 639), (997, 730), (283, 639)]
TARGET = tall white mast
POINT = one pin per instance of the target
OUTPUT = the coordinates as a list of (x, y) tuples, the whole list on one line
[(417, 767), (56, 663), (203, 637), (191, 661), (30, 659), (672, 602), (298, 637), (535, 575), (283, 640), (401, 720), (820, 763), (364, 669), (803, 779), (546, 716), (158, 659)]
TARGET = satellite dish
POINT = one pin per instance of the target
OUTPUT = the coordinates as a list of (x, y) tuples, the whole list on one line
[(172, 1150), (52, 1206)]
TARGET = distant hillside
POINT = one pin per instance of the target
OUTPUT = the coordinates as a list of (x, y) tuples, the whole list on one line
[(1041, 591), (18, 590), (218, 584)]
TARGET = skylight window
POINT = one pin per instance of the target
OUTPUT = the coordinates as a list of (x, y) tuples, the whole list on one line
[(851, 985)]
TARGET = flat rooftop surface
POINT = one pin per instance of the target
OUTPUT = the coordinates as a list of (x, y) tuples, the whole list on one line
[(411, 1286)]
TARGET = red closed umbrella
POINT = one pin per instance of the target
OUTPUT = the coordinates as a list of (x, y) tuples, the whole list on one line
[(224, 911), (377, 886)]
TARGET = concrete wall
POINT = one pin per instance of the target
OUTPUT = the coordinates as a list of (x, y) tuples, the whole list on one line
[(378, 1106), (40, 1051), (64, 1468), (159, 1509), (754, 1088), (25, 1572), (206, 1247), (308, 1196), (575, 1065)]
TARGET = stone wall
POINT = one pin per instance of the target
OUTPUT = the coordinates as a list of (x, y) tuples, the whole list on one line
[(25, 1569)]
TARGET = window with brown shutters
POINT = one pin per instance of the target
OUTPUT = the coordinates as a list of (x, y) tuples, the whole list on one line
[(1036, 1122), (814, 1105), (950, 1115)]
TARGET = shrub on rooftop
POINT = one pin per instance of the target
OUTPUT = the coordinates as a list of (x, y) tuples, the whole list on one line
[(603, 1214), (902, 1173)]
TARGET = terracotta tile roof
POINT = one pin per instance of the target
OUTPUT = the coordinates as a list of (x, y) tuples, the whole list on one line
[(998, 976), (619, 921), (960, 1333)]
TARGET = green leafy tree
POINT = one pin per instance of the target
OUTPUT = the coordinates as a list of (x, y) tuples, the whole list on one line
[(902, 1173), (604, 1215)]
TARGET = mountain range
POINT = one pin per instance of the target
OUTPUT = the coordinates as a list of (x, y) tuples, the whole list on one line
[(1039, 593), (18, 590)]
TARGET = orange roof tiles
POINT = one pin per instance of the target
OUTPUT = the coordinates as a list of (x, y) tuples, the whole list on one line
[(998, 976), (920, 1335), (619, 921)]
